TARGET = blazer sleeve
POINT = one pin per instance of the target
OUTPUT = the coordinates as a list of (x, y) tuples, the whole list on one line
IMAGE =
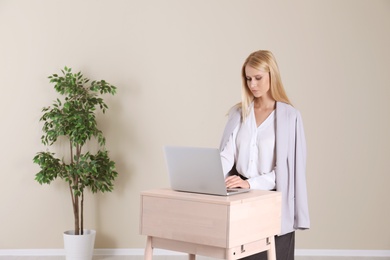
[(302, 220), (233, 121)]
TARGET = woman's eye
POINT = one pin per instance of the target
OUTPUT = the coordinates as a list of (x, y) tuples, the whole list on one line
[(250, 79)]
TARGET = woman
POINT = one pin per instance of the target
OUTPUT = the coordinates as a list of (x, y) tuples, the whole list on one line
[(263, 147)]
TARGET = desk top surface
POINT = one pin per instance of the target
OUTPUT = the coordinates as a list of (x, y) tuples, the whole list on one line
[(232, 199)]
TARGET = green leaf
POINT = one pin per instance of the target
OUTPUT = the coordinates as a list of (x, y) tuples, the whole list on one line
[(75, 118)]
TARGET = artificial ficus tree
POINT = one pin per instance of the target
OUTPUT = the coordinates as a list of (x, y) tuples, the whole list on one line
[(74, 117)]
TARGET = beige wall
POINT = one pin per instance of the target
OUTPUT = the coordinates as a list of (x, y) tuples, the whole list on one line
[(176, 65)]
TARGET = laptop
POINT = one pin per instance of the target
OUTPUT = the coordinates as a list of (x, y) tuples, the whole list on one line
[(198, 170)]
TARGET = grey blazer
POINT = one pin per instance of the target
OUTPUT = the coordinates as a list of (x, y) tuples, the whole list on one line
[(290, 164)]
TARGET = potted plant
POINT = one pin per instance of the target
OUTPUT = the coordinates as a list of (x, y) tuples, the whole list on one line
[(74, 118)]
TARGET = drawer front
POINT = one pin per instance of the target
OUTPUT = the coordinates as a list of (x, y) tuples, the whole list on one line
[(254, 220), (188, 221)]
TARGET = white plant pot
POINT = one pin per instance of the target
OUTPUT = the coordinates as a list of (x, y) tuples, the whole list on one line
[(79, 247)]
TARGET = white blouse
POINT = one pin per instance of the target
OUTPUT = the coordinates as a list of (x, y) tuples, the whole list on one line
[(253, 150)]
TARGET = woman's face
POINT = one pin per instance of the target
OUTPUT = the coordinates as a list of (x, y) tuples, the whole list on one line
[(257, 81)]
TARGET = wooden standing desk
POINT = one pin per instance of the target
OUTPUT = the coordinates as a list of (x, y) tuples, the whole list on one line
[(222, 227)]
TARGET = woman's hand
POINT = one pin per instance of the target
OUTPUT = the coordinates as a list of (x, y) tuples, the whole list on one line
[(235, 181)]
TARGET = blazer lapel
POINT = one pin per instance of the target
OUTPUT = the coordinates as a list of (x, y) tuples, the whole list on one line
[(281, 133)]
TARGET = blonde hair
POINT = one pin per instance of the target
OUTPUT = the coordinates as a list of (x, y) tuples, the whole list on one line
[(265, 61)]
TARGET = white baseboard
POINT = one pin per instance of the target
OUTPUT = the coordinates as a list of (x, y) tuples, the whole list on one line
[(349, 253), (98, 252), (161, 252)]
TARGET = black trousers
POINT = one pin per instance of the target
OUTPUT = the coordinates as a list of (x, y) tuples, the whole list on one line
[(284, 246)]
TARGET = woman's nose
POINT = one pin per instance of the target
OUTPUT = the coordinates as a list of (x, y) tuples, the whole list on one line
[(253, 83)]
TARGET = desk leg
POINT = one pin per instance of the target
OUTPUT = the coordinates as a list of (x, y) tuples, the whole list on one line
[(191, 257), (148, 249), (271, 253)]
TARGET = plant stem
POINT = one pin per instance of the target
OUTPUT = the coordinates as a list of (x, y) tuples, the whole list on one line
[(71, 152), (72, 196), (82, 213), (76, 216)]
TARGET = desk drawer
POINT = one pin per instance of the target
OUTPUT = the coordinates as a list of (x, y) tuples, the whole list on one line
[(188, 221), (253, 220)]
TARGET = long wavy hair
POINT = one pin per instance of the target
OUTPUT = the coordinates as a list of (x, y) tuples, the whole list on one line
[(265, 61)]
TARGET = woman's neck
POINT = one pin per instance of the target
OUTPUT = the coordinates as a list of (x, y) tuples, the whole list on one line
[(262, 103)]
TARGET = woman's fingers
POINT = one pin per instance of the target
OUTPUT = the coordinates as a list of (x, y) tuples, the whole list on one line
[(235, 182)]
